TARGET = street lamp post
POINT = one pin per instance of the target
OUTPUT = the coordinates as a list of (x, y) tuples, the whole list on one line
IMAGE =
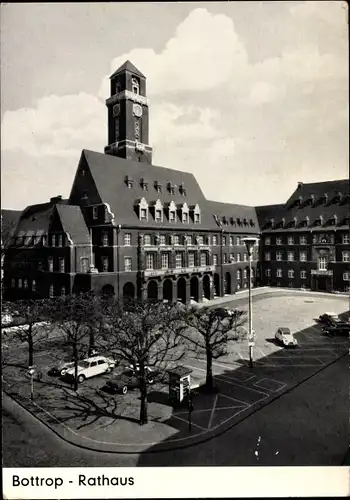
[(249, 243)]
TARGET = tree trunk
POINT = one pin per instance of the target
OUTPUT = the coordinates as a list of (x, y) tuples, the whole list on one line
[(30, 347), (91, 341), (144, 402), (209, 378), (75, 356)]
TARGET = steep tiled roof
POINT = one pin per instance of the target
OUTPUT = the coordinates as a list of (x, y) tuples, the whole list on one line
[(9, 221), (73, 223), (128, 66), (109, 175), (35, 219), (310, 202), (233, 217)]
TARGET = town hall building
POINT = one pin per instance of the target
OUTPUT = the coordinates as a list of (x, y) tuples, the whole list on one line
[(138, 230)]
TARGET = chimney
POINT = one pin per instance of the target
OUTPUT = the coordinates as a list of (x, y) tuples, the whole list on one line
[(56, 199), (300, 185)]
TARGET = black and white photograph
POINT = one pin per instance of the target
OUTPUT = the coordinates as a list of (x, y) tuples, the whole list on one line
[(175, 211)]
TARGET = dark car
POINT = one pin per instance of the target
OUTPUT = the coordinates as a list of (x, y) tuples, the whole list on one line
[(223, 312), (330, 319), (341, 328), (125, 381)]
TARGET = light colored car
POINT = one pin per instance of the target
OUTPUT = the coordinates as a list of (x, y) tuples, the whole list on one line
[(90, 367), (285, 337)]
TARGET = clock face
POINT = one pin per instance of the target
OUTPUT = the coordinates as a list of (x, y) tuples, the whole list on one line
[(137, 110)]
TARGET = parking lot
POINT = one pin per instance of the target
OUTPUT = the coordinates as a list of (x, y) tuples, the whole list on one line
[(241, 389)]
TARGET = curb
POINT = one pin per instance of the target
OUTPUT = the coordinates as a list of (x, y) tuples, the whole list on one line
[(163, 446)]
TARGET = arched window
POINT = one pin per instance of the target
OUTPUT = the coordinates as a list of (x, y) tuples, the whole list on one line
[(135, 86)]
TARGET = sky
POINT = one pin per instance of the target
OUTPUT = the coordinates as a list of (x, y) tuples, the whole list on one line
[(250, 97)]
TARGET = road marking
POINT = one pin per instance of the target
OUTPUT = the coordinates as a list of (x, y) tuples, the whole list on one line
[(213, 411), (204, 410), (186, 421), (259, 384), (227, 367)]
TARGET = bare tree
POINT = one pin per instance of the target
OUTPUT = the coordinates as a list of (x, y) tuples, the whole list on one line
[(209, 333), (146, 336), (28, 314), (77, 316)]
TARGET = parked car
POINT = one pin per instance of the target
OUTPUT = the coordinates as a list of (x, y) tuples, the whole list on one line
[(126, 380), (223, 312), (61, 368), (330, 319), (285, 337), (90, 367), (342, 328)]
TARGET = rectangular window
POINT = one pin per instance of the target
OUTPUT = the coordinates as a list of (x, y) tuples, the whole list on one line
[(290, 256), (268, 272), (196, 218), (207, 240), (215, 240), (303, 256), (127, 264), (346, 256), (172, 216), (105, 264), (33, 286), (231, 240), (25, 283), (189, 240), (162, 239), (60, 240), (245, 257), (158, 216), (322, 263), (215, 260), (105, 239), (185, 217), (178, 260), (143, 214), (279, 240), (278, 255), (290, 273), (63, 291), (94, 213), (200, 240), (225, 258), (238, 274), (303, 275), (176, 240), (147, 239), (127, 239), (13, 283), (303, 240), (51, 291), (203, 259), (238, 257), (53, 240), (149, 261), (191, 261), (50, 264), (267, 256), (279, 273), (238, 240), (84, 265), (224, 241), (346, 276), (19, 282), (62, 264), (165, 261), (267, 240), (245, 274), (232, 257), (290, 240), (345, 239), (106, 215)]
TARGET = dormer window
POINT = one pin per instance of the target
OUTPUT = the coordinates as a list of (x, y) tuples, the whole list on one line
[(129, 182), (135, 86), (319, 221), (334, 220), (283, 222), (182, 190), (251, 222), (196, 214), (185, 213), (245, 222), (311, 199), (95, 212), (325, 199), (143, 210), (172, 212), (158, 187), (299, 201), (232, 221), (144, 185), (158, 211), (171, 188), (294, 222)]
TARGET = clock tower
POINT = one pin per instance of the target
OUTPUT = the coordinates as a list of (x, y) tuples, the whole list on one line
[(128, 115)]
